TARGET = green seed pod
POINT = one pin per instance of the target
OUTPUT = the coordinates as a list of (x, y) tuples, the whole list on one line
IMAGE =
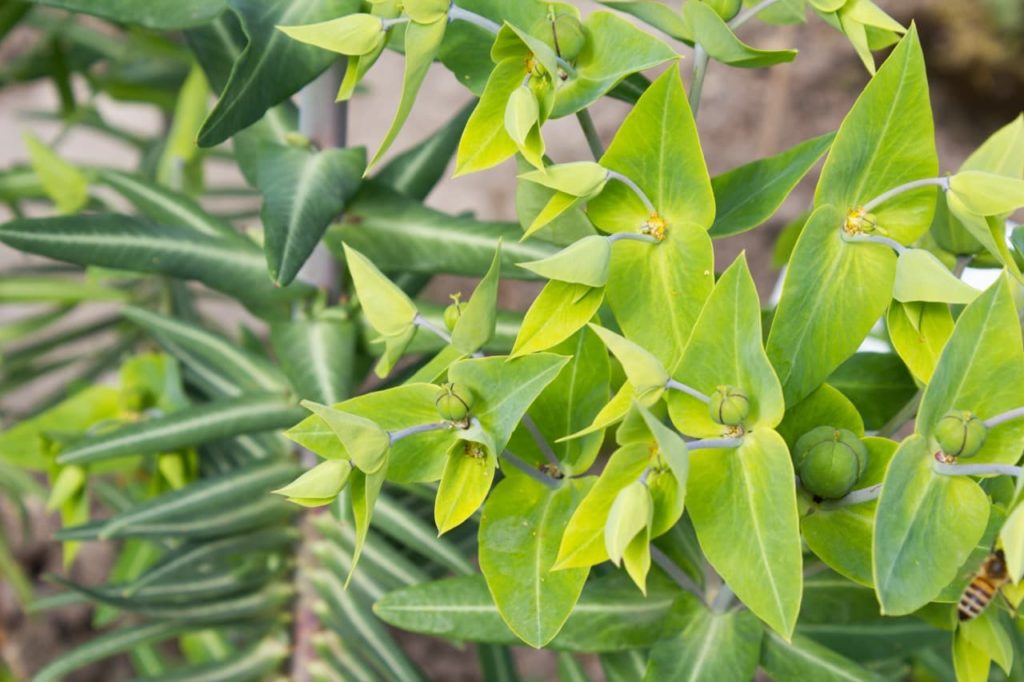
[(565, 35), (453, 403), (829, 461), (729, 406), (960, 433), (726, 9), (451, 315)]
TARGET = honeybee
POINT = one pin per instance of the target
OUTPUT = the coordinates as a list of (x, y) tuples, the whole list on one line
[(983, 586)]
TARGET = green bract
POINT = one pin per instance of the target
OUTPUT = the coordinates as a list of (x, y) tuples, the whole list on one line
[(620, 441)]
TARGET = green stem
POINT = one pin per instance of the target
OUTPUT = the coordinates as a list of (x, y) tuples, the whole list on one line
[(541, 441), (612, 175), (714, 443), (633, 236), (875, 239), (590, 132), (700, 68), (906, 413), (677, 574), (977, 469), (1004, 417), (748, 14), (854, 497), (530, 471), (396, 436), (942, 182), (424, 323), (723, 599), (674, 385)]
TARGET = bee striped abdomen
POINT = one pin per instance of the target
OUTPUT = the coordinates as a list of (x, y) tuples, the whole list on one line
[(976, 598)]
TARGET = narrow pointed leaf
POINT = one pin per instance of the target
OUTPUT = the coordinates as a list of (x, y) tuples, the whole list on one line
[(353, 34), (317, 355), (365, 442), (584, 262), (722, 44), (478, 318), (162, 16), (559, 311), (921, 276), (387, 307)]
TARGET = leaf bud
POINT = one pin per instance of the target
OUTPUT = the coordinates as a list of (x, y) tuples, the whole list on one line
[(453, 403), (960, 433), (729, 406), (453, 312), (829, 461), (726, 9)]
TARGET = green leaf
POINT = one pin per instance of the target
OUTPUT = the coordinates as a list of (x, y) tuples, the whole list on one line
[(426, 11), (712, 646), (160, 15), (805, 659), (579, 179), (387, 307), (981, 369), (747, 196), (853, 282), (476, 323), (522, 123), (725, 349), (364, 441), (485, 141), (878, 385), (916, 550), (1012, 537), (193, 426), (743, 506), (468, 474), (642, 369), (412, 459), (66, 186), (125, 243), (180, 159), (610, 615), (842, 536), (421, 44), (657, 14), (303, 191), (990, 231), (272, 67), (166, 207), (363, 492), (970, 663), (504, 388), (518, 544), (920, 276), (568, 404), (317, 355), (631, 512), (558, 312), (988, 633), (402, 235), (615, 49), (246, 370), (918, 332), (721, 43), (987, 194), (354, 34), (887, 139), (583, 542), (585, 262)]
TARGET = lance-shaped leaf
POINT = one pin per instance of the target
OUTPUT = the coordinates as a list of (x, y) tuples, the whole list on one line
[(712, 646), (272, 67), (725, 350), (805, 659), (318, 486), (887, 139), (354, 34), (643, 370), (504, 389), (657, 148), (364, 441), (631, 512), (420, 457), (303, 192), (585, 262), (478, 317), (193, 426), (878, 384), (363, 492), (126, 243), (615, 49), (721, 43), (388, 308), (990, 231), (421, 44), (987, 194), (917, 550), (162, 16), (852, 281), (317, 355), (920, 276), (579, 179), (66, 186), (981, 369), (523, 121), (1012, 537), (485, 141), (747, 196), (426, 11), (467, 478), (988, 633), (656, 13), (743, 506), (676, 454), (865, 25), (519, 535), (918, 332), (558, 312)]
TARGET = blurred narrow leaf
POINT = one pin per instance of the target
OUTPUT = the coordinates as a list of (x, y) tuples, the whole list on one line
[(317, 355), (159, 15), (64, 184)]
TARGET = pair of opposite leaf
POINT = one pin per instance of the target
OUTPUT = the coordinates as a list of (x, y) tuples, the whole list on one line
[(394, 316)]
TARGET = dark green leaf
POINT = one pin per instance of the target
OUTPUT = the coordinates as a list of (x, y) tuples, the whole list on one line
[(162, 15)]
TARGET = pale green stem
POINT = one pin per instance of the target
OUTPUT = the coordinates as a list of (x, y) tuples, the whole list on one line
[(723, 599), (854, 497), (675, 573), (634, 236), (395, 436), (942, 182), (875, 239), (906, 413), (541, 441), (457, 13), (612, 175), (977, 469), (714, 443), (1004, 417), (386, 24), (424, 323), (748, 14), (674, 385), (700, 68), (529, 470), (590, 132)]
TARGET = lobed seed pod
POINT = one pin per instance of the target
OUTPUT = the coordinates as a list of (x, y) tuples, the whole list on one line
[(960, 433), (726, 9), (729, 406), (452, 314), (829, 461), (453, 403), (565, 35)]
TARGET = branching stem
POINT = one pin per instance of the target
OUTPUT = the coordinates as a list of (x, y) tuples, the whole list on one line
[(634, 236), (700, 68), (1004, 417), (942, 182), (748, 14), (854, 497), (590, 132), (612, 175), (541, 441), (396, 436), (456, 13), (714, 443), (424, 323), (530, 471), (875, 239), (674, 385), (723, 599), (977, 469), (677, 574)]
